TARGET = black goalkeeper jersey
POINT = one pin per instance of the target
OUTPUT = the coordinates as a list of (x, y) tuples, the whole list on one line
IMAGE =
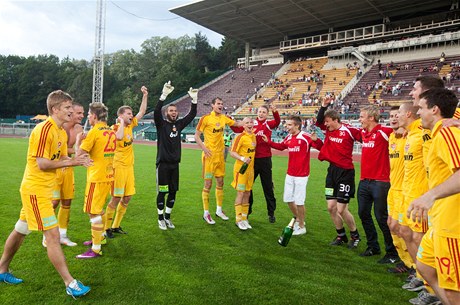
[(169, 134)]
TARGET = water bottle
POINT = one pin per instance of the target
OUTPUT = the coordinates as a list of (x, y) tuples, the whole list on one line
[(287, 233)]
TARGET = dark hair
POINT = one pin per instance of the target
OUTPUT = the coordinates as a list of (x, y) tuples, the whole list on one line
[(297, 120), (215, 99), (394, 108), (332, 114), (443, 98), (429, 82)]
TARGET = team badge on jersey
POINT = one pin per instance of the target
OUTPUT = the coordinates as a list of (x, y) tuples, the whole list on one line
[(406, 147), (217, 124)]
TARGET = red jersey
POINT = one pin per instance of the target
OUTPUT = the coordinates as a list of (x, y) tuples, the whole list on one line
[(299, 152), (375, 159), (338, 146), (262, 127)]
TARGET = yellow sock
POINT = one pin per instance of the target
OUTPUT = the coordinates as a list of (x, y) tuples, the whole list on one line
[(205, 198), (121, 210), (108, 217), (406, 258), (400, 245), (244, 211), (238, 208), (219, 196), (63, 216), (96, 233)]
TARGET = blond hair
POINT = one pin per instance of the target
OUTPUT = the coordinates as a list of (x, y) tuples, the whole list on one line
[(100, 110), (56, 98), (372, 111)]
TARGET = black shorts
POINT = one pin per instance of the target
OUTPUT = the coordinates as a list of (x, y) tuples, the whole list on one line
[(340, 184), (167, 177)]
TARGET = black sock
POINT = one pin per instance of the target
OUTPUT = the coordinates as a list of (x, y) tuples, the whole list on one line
[(354, 234), (341, 232), (167, 216)]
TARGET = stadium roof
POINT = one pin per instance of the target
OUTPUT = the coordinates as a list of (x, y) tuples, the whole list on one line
[(265, 23)]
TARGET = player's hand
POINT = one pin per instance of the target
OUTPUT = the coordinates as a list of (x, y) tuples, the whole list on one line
[(120, 121), (82, 160), (167, 89), (314, 136), (264, 137), (418, 209), (144, 90), (207, 152), (273, 108), (193, 93), (80, 137), (327, 100)]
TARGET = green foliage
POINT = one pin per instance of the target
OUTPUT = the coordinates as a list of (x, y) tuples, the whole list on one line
[(196, 263), (186, 61)]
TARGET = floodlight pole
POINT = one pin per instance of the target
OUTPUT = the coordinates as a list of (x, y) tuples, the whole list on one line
[(98, 61)]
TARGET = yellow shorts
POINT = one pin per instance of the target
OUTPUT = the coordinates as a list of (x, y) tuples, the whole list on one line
[(123, 184), (415, 226), (213, 167), (395, 202), (38, 212), (243, 182), (442, 253), (65, 184), (96, 195)]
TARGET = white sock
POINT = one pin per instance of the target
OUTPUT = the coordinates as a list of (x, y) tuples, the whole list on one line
[(73, 284), (218, 210), (62, 232)]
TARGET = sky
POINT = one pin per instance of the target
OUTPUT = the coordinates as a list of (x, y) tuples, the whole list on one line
[(67, 28)]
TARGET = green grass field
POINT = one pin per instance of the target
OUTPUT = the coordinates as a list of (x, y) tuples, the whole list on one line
[(196, 263)]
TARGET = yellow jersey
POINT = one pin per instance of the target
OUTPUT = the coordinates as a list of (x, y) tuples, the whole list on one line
[(212, 126), (443, 161), (457, 114), (415, 181), (100, 143), (124, 153), (396, 152), (245, 145), (48, 141)]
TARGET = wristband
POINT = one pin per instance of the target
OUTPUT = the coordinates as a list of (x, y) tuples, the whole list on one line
[(242, 159)]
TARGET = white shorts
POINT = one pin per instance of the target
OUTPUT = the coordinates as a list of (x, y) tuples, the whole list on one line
[(295, 189)]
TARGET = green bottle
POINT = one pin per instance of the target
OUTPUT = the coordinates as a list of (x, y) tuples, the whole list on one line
[(243, 168), (287, 233)]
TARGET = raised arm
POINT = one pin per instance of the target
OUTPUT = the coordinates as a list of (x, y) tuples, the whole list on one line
[(143, 108), (276, 117), (120, 129), (157, 115), (193, 93)]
